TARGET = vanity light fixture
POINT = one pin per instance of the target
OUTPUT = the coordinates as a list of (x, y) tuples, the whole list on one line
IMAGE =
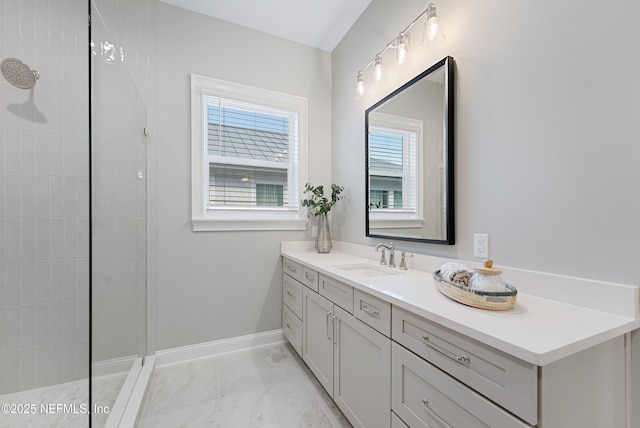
[(360, 86), (431, 34)]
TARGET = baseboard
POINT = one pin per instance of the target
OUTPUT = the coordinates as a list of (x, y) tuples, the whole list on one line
[(209, 349), (113, 366)]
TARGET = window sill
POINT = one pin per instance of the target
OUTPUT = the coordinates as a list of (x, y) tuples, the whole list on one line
[(396, 224), (231, 225)]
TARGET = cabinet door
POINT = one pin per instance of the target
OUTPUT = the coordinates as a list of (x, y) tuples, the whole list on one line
[(317, 337), (362, 372)]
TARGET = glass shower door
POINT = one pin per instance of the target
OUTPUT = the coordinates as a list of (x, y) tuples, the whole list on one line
[(119, 228)]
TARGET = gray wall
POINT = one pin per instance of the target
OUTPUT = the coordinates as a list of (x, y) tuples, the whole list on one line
[(216, 285), (547, 109)]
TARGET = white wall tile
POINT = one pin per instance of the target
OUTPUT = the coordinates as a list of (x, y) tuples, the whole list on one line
[(14, 333), (43, 197), (28, 313), (57, 197), (43, 151), (57, 239), (43, 239), (43, 366), (3, 239), (12, 195), (3, 329), (70, 361), (70, 239), (13, 149), (3, 372), (28, 375), (70, 197), (43, 323), (55, 143), (70, 323), (28, 196), (28, 155), (43, 281), (28, 238), (57, 314), (14, 239), (71, 279), (55, 362), (57, 280), (14, 283), (14, 370), (28, 282)]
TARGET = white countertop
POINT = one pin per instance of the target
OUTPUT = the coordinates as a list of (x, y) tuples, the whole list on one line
[(537, 330)]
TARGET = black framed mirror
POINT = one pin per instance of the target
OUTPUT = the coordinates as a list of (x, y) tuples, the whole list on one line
[(409, 160)]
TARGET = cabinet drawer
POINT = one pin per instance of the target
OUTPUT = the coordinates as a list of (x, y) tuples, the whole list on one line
[(424, 396), (339, 293), (310, 278), (372, 311), (506, 380), (293, 269), (292, 295), (292, 329)]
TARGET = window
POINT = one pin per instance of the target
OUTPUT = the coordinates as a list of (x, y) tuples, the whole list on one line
[(248, 150), (394, 165)]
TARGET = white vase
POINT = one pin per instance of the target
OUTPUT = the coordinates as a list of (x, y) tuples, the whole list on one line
[(323, 239)]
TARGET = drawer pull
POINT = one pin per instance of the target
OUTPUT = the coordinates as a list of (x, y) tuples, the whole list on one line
[(329, 334), (291, 295), (292, 330), (366, 310), (464, 359), (309, 277), (434, 415), (291, 269), (333, 326)]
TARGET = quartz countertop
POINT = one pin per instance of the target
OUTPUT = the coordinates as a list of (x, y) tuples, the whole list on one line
[(537, 330)]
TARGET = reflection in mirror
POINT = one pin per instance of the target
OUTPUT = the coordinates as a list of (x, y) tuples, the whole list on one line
[(409, 154)]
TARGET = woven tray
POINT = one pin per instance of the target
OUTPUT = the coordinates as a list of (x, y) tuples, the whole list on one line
[(495, 301)]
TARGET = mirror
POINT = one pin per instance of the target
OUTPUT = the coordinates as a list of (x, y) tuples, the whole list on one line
[(409, 160)]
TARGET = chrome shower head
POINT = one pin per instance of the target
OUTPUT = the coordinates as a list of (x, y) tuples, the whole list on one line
[(18, 73)]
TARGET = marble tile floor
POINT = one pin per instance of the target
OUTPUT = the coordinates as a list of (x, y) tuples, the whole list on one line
[(261, 387), (73, 395)]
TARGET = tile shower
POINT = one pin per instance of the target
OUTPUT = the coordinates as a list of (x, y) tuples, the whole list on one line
[(45, 200)]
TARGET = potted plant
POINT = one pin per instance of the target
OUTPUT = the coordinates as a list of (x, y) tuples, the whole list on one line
[(319, 206)]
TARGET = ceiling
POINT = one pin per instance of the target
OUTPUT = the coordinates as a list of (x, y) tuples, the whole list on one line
[(317, 23)]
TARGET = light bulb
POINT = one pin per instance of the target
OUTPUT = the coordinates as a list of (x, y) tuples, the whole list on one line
[(402, 51), (360, 86), (377, 69), (432, 32)]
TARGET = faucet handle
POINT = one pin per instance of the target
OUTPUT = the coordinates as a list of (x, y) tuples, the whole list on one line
[(403, 260)]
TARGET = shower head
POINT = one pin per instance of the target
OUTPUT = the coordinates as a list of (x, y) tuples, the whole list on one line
[(18, 73)]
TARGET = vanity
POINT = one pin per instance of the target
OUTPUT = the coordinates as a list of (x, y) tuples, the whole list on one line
[(393, 352)]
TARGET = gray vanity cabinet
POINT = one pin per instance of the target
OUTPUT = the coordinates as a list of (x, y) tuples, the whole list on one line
[(317, 342), (292, 306), (350, 359)]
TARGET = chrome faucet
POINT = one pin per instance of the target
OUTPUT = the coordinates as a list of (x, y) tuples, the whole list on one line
[(392, 257)]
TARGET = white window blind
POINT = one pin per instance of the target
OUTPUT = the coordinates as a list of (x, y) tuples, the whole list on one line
[(392, 169), (252, 156)]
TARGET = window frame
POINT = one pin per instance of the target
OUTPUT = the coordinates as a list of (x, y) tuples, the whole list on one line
[(245, 218)]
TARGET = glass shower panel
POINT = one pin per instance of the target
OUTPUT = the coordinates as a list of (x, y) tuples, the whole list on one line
[(119, 226)]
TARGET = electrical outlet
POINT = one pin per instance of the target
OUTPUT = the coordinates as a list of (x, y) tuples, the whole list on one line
[(481, 245)]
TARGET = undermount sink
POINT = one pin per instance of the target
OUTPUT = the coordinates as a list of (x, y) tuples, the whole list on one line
[(365, 270)]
